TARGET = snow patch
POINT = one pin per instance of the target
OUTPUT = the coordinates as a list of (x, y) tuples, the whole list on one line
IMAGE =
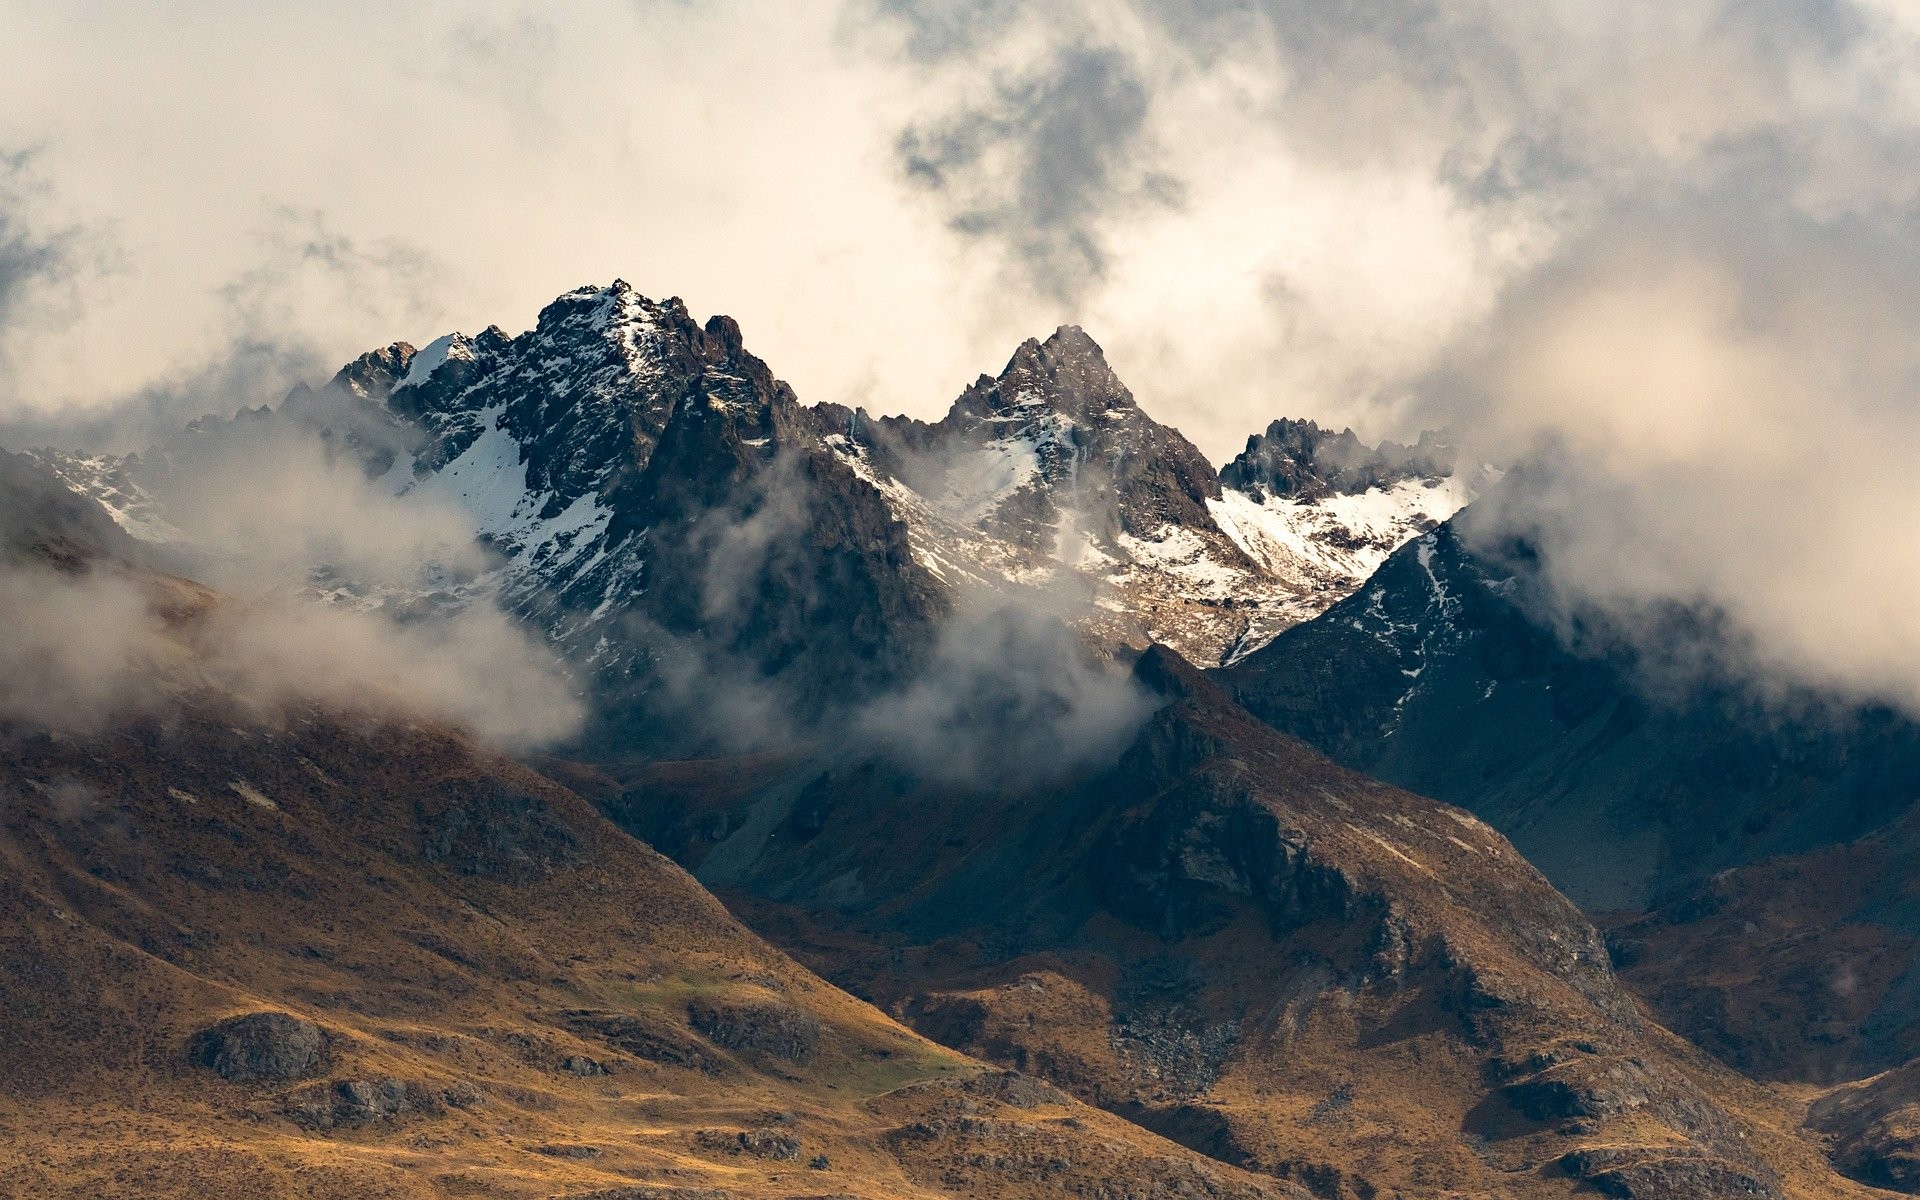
[(1343, 537), (431, 358)]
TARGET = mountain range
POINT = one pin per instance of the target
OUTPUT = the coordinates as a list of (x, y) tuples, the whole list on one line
[(620, 443), (1012, 804)]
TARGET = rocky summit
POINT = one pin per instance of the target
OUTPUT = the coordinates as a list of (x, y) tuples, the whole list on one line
[(1300, 459), (658, 495), (1051, 476), (1010, 805)]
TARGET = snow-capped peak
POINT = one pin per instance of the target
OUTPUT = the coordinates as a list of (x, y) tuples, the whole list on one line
[(434, 355)]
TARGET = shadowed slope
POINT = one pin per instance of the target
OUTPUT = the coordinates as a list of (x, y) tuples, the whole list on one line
[(1232, 940)]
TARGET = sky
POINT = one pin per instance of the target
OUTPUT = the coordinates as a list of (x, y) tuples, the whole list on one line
[(1666, 245), (1259, 207)]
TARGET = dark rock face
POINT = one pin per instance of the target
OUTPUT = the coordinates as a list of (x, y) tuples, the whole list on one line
[(347, 1103), (1301, 460), (258, 1047), (1637, 1174), (491, 831), (1439, 677), (763, 1027), (1239, 820), (1763, 840), (1184, 864), (682, 519), (376, 373)]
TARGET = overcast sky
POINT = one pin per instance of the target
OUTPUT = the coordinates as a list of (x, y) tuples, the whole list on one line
[(1260, 207), (1672, 242)]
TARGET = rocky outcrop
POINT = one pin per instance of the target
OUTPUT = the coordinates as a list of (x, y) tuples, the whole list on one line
[(774, 1144), (1630, 1173), (1302, 461), (481, 828), (644, 1035), (757, 1027), (258, 1047), (348, 1103)]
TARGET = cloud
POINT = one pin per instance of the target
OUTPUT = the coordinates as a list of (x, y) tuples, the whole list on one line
[(1362, 184), (1043, 163), (70, 659), (304, 276), (267, 504), (519, 151), (1262, 207), (279, 514), (35, 261), (331, 592), (90, 649), (1010, 697), (474, 667), (1660, 254), (1721, 415), (25, 257)]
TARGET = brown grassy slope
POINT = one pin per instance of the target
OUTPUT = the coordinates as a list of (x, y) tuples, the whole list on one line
[(563, 1011), (1798, 967), (1233, 941)]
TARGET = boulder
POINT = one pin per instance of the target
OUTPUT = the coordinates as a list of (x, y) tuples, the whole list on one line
[(258, 1047), (766, 1027)]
